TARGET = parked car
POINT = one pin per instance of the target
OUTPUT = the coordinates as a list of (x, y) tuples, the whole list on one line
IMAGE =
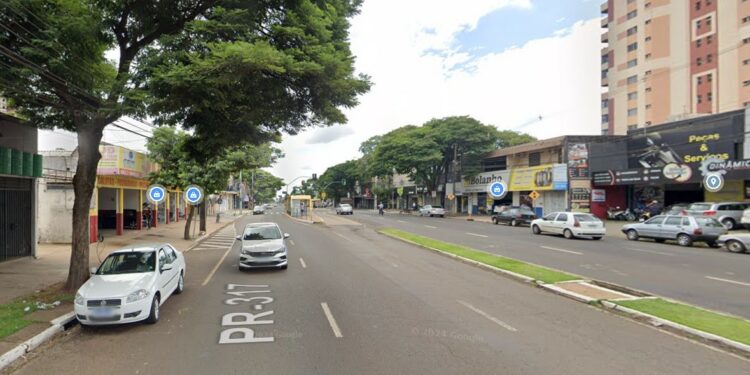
[(745, 220), (263, 246), (130, 285), (727, 213), (570, 225), (676, 209), (430, 210), (258, 210), (344, 209), (514, 216), (735, 242), (684, 229)]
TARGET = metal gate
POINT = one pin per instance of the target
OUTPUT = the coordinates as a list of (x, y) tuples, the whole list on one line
[(15, 217)]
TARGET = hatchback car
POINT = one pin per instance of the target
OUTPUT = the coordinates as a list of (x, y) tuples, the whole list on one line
[(684, 229), (514, 216), (736, 242), (344, 209), (263, 246), (258, 210), (727, 213), (430, 210), (130, 285), (570, 225)]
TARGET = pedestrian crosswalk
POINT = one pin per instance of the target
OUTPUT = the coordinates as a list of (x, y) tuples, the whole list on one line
[(220, 241)]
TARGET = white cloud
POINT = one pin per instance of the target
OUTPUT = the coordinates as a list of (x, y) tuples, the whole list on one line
[(411, 55)]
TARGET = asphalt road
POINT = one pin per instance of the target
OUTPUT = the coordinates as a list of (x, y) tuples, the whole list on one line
[(712, 278), (356, 302)]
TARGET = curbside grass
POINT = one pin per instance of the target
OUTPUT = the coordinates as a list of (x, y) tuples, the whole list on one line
[(733, 328), (543, 274)]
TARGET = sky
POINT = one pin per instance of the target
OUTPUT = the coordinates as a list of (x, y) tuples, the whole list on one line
[(503, 62)]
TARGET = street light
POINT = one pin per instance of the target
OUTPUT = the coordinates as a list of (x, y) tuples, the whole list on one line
[(297, 178)]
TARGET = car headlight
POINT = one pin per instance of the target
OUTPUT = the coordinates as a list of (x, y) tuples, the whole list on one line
[(138, 295), (79, 299)]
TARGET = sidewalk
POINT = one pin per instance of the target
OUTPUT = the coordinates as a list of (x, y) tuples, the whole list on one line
[(27, 275)]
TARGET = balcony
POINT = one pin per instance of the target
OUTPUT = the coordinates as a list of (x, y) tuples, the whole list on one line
[(605, 7), (605, 22), (605, 37)]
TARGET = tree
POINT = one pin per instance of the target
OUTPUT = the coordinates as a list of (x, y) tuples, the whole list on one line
[(340, 179), (266, 186), (234, 71), (409, 150), (509, 138)]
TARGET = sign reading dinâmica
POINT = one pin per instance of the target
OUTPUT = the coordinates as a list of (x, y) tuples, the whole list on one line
[(542, 177)]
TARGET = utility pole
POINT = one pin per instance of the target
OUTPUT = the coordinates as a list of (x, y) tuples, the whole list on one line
[(252, 186), (241, 193)]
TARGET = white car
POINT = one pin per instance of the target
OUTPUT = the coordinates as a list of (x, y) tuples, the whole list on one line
[(570, 225), (263, 246), (130, 285), (429, 210), (344, 209), (258, 210)]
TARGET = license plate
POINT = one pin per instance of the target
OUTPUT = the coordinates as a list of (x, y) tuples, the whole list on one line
[(102, 311)]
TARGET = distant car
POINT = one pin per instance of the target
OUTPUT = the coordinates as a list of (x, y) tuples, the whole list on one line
[(684, 229), (735, 242), (263, 246), (676, 209), (344, 209), (515, 216), (745, 220), (727, 213), (430, 210), (570, 225), (258, 210), (130, 285)]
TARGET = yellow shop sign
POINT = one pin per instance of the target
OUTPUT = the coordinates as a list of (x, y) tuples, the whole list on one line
[(542, 177)]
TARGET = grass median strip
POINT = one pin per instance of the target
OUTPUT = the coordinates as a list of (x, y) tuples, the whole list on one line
[(730, 327), (536, 272)]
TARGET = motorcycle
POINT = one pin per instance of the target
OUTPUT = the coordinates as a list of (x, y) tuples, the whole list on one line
[(616, 213), (613, 213)]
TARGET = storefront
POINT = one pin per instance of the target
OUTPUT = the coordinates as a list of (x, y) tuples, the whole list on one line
[(473, 193), (543, 187)]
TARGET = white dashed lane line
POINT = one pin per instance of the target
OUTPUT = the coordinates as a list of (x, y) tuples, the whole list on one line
[(561, 250), (430, 226), (476, 235), (302, 262), (488, 316), (727, 281), (331, 320), (651, 252)]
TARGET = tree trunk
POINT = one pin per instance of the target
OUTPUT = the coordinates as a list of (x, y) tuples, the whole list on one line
[(84, 182), (191, 211), (203, 216)]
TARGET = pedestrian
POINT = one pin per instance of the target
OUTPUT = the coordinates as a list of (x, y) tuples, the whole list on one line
[(413, 206), (302, 209), (380, 208)]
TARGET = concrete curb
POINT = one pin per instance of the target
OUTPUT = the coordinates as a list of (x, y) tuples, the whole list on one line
[(57, 327), (654, 319), (299, 220), (566, 293), (510, 274), (202, 238)]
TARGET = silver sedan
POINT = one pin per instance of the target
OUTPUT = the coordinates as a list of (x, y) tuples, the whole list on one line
[(736, 243)]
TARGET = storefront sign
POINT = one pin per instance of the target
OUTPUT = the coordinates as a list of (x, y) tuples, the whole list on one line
[(543, 177), (117, 160), (580, 200), (578, 161), (121, 182), (598, 195), (481, 182)]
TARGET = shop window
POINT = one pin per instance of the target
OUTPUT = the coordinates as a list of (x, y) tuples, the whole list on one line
[(535, 159)]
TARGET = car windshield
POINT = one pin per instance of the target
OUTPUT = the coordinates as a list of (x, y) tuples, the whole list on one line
[(708, 222), (436, 207), (129, 262), (262, 233), (700, 207)]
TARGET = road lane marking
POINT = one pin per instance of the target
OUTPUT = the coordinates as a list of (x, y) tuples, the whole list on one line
[(331, 320), (216, 267), (488, 316), (561, 250), (476, 235), (342, 236), (430, 226), (401, 221), (728, 281), (302, 261), (292, 242), (651, 252)]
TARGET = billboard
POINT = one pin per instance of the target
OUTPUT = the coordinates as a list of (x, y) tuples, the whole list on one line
[(117, 160), (542, 177), (578, 161)]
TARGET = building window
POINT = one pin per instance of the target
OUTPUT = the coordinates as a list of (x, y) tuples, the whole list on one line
[(746, 41), (699, 80), (698, 24), (648, 73), (709, 58), (699, 61), (632, 112), (648, 106), (535, 159), (648, 38), (698, 43), (746, 62), (648, 56), (708, 22), (648, 123), (746, 19), (632, 63), (632, 14), (699, 99), (632, 79), (647, 22), (604, 73), (632, 47), (647, 5), (632, 126), (632, 30), (709, 77), (605, 119), (710, 96), (605, 59), (631, 1), (698, 5), (633, 95), (648, 89), (709, 39), (746, 83)]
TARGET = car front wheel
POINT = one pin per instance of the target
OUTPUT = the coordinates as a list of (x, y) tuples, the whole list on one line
[(535, 229), (736, 246), (568, 234), (632, 235), (728, 223), (153, 317), (513, 223), (684, 240)]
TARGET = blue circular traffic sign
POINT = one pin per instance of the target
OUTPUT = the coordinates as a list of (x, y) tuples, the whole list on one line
[(194, 194), (156, 193), (498, 189), (714, 182)]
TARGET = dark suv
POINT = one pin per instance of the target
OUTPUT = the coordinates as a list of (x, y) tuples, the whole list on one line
[(514, 216)]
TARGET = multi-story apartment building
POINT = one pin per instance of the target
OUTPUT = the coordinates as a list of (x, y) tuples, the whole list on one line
[(667, 60)]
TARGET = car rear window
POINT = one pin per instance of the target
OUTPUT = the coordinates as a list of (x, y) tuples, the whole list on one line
[(700, 207), (584, 218), (708, 222), (437, 207)]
